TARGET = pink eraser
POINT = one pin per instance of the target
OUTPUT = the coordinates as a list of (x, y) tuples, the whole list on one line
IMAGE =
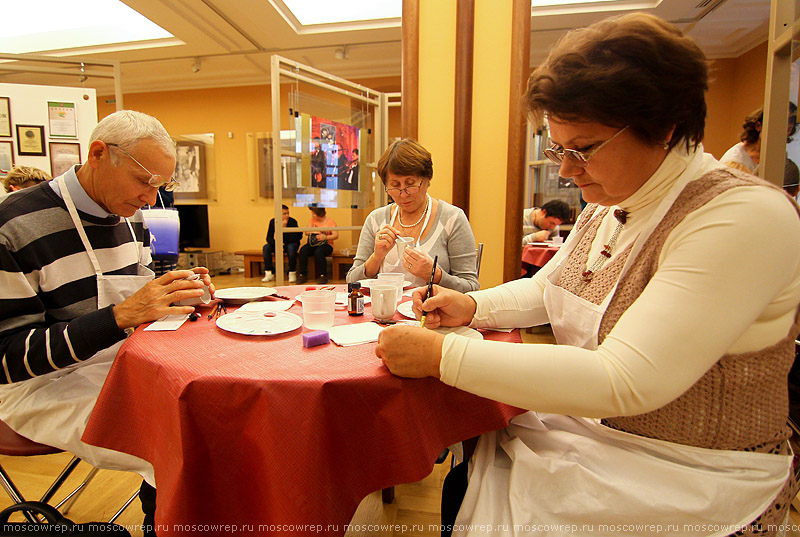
[(317, 337)]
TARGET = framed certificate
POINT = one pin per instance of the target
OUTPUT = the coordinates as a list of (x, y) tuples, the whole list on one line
[(5, 117), (61, 116), (30, 140), (63, 155), (6, 158)]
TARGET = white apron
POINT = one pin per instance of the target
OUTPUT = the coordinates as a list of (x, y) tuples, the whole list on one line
[(393, 263), (54, 408), (549, 474)]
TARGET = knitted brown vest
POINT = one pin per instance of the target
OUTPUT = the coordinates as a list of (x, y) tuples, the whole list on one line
[(742, 402)]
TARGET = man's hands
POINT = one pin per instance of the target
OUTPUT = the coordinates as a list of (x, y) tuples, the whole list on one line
[(153, 301)]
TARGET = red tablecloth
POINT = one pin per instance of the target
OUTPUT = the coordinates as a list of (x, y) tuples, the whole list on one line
[(258, 430), (537, 256)]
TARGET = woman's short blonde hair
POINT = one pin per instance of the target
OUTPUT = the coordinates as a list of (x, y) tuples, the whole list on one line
[(24, 176), (406, 157)]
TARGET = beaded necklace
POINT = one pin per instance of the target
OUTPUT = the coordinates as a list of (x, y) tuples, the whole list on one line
[(605, 253), (400, 219)]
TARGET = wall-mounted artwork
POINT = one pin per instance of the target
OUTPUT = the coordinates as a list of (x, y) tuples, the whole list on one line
[(63, 155), (30, 140), (62, 119), (5, 117), (6, 158), (190, 171), (334, 154)]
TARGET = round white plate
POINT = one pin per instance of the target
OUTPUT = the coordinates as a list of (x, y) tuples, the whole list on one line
[(369, 281), (260, 324), (460, 330), (242, 295), (405, 309)]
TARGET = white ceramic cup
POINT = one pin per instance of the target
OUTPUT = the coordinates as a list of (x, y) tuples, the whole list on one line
[(197, 301), (398, 278), (318, 309), (384, 300), (402, 243), (558, 240)]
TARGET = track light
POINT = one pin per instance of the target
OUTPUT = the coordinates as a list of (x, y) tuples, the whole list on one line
[(196, 66), (342, 53)]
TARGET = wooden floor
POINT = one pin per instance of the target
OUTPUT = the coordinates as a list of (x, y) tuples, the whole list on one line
[(414, 512)]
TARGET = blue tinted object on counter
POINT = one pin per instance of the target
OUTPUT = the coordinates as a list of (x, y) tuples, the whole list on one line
[(317, 337)]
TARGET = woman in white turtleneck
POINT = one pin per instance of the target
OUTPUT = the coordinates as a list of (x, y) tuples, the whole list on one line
[(662, 410)]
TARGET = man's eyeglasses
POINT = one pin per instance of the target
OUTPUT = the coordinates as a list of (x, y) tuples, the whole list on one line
[(156, 180), (409, 190), (556, 153)]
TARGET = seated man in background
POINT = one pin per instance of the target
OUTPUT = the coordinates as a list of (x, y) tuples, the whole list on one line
[(74, 254), (23, 177), (291, 243), (540, 224)]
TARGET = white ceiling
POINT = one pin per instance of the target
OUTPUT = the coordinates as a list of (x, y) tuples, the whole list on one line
[(233, 40)]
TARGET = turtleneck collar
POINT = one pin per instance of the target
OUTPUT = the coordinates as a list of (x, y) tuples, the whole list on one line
[(655, 188)]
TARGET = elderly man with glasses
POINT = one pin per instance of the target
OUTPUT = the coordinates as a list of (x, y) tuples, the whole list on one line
[(74, 255)]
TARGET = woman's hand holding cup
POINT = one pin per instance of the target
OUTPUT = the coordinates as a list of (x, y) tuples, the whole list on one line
[(385, 240), (418, 263)]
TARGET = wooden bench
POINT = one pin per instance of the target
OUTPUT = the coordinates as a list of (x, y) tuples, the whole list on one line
[(254, 263)]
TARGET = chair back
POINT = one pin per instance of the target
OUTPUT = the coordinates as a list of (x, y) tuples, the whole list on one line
[(478, 255)]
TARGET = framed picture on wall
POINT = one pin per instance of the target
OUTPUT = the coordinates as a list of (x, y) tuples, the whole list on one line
[(61, 117), (5, 117), (6, 158), (190, 170), (30, 140), (63, 155)]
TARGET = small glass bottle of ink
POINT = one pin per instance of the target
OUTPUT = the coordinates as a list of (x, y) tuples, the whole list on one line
[(355, 299)]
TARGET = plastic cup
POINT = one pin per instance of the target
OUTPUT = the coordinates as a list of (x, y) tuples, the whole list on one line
[(318, 309), (558, 240), (384, 300), (398, 278), (402, 243)]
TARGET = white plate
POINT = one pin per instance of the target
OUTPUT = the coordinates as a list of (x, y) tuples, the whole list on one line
[(366, 283), (405, 309), (260, 324), (459, 330), (242, 295)]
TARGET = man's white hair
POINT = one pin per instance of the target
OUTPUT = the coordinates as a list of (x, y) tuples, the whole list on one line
[(126, 128)]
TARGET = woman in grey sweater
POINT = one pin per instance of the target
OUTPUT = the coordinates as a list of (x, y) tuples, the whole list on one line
[(434, 227)]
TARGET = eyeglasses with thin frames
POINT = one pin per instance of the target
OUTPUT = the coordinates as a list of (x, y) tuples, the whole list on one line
[(556, 153), (409, 190), (156, 180)]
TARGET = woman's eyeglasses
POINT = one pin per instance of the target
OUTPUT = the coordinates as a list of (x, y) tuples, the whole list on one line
[(556, 153), (409, 190), (156, 180)]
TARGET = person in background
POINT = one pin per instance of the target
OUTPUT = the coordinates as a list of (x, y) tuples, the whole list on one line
[(20, 177), (291, 244), (318, 167), (435, 227), (74, 254), (746, 155), (791, 178), (541, 224), (352, 175), (342, 169), (664, 404), (320, 245)]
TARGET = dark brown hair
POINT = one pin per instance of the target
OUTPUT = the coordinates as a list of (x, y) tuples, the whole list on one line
[(635, 70), (406, 157), (319, 211)]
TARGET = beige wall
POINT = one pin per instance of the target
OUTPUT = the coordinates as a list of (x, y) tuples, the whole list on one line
[(736, 89), (237, 222)]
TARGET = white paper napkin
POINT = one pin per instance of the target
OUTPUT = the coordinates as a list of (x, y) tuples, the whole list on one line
[(355, 334), (169, 322)]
